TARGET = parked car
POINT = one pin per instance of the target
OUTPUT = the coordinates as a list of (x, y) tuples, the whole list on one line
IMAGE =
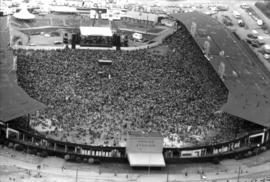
[(57, 42), (252, 36), (266, 56), (256, 45), (252, 41), (241, 23), (244, 6)]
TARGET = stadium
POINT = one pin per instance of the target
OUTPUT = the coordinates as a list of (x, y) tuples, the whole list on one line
[(83, 104)]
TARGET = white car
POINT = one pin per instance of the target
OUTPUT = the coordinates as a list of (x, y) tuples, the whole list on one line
[(266, 56), (57, 42)]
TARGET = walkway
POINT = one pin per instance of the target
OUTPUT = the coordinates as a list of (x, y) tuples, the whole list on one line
[(52, 168)]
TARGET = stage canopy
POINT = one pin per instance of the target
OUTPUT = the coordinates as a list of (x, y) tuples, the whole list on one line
[(24, 14), (145, 149), (146, 159), (96, 31)]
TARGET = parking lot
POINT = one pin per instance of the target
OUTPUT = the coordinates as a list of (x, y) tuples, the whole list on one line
[(250, 31)]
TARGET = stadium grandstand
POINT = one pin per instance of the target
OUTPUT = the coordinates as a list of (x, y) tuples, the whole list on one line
[(246, 80), (191, 99)]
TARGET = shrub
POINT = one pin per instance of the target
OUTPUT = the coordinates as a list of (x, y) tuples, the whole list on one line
[(240, 156), (44, 154), (18, 147), (96, 161), (78, 159), (72, 157), (29, 151), (85, 160), (256, 151), (263, 148), (10, 145), (216, 160), (67, 157), (34, 151), (248, 154), (90, 160), (6, 143)]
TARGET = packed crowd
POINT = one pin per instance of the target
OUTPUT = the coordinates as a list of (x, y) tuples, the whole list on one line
[(177, 94)]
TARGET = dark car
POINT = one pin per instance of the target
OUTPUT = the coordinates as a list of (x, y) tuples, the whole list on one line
[(249, 41), (252, 36), (254, 43)]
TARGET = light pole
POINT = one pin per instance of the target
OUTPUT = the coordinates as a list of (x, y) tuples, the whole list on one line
[(77, 175), (257, 149), (238, 175), (167, 175), (148, 164)]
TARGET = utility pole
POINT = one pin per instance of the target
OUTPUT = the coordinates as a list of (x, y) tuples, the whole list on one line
[(77, 175), (238, 176), (148, 164), (167, 175)]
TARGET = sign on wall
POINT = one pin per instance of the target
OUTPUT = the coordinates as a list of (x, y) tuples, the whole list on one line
[(144, 143)]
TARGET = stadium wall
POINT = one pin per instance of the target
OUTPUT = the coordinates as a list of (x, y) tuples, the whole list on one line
[(248, 145)]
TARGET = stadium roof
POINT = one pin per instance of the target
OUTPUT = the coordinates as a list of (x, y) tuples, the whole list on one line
[(246, 79), (14, 101), (96, 31)]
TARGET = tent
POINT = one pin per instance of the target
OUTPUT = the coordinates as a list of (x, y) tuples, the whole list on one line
[(24, 14)]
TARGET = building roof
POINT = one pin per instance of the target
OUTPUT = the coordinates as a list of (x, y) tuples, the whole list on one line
[(96, 31), (247, 80)]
